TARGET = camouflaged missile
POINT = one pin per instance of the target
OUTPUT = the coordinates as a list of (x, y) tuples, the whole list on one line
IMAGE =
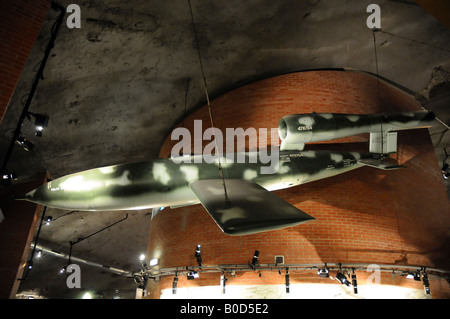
[(297, 129), (239, 199), (248, 206)]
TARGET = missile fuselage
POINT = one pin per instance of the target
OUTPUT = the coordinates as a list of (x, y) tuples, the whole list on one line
[(166, 182), (163, 183), (295, 130)]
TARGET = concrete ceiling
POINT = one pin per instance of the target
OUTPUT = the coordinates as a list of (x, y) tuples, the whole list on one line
[(115, 88)]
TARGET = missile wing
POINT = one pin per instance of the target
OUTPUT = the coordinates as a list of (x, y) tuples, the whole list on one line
[(246, 208)]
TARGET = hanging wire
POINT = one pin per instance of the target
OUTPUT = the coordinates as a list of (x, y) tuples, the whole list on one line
[(374, 30), (209, 105)]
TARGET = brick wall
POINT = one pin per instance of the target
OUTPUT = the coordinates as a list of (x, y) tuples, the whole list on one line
[(364, 216), (16, 235), (20, 22)]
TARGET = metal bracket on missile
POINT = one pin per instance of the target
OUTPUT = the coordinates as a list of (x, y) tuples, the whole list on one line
[(383, 143)]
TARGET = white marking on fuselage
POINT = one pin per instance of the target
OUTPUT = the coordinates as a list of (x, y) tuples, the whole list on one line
[(305, 120), (107, 169), (122, 180), (337, 157), (250, 174), (327, 116), (353, 118), (190, 172), (160, 173)]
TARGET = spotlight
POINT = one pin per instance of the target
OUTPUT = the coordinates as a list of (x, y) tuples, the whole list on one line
[(255, 261), (192, 275), (447, 175), (48, 219), (414, 275), (426, 284), (39, 254), (154, 262), (26, 144), (342, 278), (41, 122), (87, 295), (63, 270), (354, 282), (142, 257), (174, 285), (287, 281), (198, 255), (7, 178), (30, 264), (324, 272), (223, 280)]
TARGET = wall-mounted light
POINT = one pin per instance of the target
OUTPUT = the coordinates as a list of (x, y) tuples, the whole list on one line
[(7, 178), (26, 144), (255, 261), (324, 272), (48, 220), (40, 121), (198, 255), (154, 262), (354, 281), (223, 281), (414, 275), (342, 278), (426, 283), (286, 282), (192, 275), (175, 284)]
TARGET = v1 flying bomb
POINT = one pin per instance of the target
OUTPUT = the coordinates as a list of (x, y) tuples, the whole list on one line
[(240, 201)]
